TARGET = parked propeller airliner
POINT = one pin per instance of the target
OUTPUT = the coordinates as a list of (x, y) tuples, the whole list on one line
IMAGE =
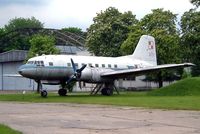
[(63, 69)]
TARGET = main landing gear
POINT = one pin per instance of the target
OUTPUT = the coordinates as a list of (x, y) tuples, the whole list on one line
[(43, 93), (63, 90), (106, 89)]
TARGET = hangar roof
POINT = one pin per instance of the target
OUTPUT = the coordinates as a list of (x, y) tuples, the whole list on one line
[(13, 55)]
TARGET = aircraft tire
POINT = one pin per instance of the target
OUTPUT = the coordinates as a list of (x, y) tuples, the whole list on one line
[(62, 92), (107, 91), (44, 93)]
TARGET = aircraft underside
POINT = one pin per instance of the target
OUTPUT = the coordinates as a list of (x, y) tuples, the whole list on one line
[(105, 88)]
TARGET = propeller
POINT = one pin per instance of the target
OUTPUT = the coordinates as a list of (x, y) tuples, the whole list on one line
[(77, 73)]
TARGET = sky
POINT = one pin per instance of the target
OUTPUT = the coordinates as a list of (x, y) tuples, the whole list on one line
[(80, 13)]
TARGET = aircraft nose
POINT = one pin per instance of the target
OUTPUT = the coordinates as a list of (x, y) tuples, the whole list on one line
[(20, 70)]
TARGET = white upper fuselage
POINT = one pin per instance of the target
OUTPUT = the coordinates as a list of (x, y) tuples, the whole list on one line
[(116, 63), (59, 67)]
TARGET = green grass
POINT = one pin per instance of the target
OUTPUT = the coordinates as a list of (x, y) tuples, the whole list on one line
[(185, 87), (7, 130), (184, 95), (133, 99)]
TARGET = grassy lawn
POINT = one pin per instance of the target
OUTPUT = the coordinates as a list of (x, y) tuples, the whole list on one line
[(135, 99), (7, 130), (184, 95)]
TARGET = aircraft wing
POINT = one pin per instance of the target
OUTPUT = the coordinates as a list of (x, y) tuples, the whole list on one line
[(12, 75), (141, 71)]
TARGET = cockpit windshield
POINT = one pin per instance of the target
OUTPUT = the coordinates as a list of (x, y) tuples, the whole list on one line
[(38, 63)]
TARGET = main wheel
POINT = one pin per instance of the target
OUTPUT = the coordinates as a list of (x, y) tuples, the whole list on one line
[(62, 92), (44, 93), (107, 91)]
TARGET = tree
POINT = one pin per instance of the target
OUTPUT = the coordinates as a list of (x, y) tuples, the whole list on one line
[(74, 30), (2, 32), (108, 32), (190, 38), (195, 2), (129, 45), (162, 25), (42, 44), (13, 38), (20, 23)]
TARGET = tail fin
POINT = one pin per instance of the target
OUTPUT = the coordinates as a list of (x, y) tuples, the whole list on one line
[(146, 50)]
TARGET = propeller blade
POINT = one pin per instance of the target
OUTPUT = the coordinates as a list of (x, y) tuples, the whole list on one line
[(81, 69), (73, 65), (70, 79), (80, 84)]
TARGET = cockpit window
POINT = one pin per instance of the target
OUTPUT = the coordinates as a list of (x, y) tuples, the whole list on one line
[(30, 62), (38, 63)]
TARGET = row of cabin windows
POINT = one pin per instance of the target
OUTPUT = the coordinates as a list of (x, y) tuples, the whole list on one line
[(41, 63), (95, 65), (38, 63)]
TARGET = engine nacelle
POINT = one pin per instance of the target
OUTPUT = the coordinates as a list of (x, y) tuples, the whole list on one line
[(92, 75)]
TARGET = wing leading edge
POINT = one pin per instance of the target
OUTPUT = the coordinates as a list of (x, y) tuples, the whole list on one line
[(141, 71)]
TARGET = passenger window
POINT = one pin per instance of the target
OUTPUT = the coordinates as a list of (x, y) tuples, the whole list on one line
[(42, 63), (103, 65), (109, 65), (69, 64), (90, 64), (96, 65), (115, 66), (50, 63), (83, 64)]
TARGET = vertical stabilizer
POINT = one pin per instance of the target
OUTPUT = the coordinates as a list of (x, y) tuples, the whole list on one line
[(146, 50)]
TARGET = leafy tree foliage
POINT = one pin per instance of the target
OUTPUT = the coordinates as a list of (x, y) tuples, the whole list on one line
[(190, 25), (2, 32), (19, 23), (13, 39), (195, 2), (162, 25), (108, 32), (130, 43), (42, 44), (75, 30)]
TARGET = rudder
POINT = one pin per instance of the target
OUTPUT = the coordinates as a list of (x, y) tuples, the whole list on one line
[(146, 50)]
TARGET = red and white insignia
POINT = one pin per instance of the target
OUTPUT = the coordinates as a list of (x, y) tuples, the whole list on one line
[(151, 45)]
